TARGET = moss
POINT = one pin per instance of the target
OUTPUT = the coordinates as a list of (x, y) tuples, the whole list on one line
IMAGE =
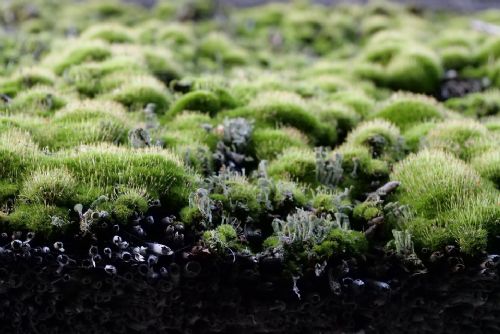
[(38, 218), (335, 116), (190, 215), (400, 64), (450, 195), (79, 53), (489, 50), (49, 187), (162, 64), (366, 211), (271, 242), (40, 101), (414, 137), (139, 91), (406, 111), (219, 48), (464, 138), (269, 143), (18, 154), (477, 104), (158, 171), (358, 101), (111, 33), (128, 203), (296, 165), (341, 243), (488, 165), (222, 238), (25, 79), (381, 137), (8, 191), (282, 108), (287, 193), (203, 101)]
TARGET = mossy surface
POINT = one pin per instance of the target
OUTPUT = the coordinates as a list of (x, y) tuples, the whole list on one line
[(296, 132)]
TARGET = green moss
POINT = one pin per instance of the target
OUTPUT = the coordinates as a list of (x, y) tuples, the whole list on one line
[(271, 242), (220, 49), (25, 79), (464, 138), (358, 101), (8, 190), (488, 165), (139, 91), (381, 137), (49, 187), (79, 53), (406, 111), (38, 218), (203, 101), (414, 137), (221, 239), (477, 104), (366, 211), (296, 165), (288, 193), (489, 50), (269, 143), (128, 203), (40, 100), (18, 154), (341, 243), (447, 194), (111, 33)]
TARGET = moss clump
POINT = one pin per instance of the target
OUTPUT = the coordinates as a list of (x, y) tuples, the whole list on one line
[(415, 136), (25, 79), (295, 164), (488, 165), (159, 171), (391, 60), (464, 138), (111, 33), (445, 191), (18, 153), (366, 211), (405, 111), (79, 53), (268, 143), (220, 49), (341, 242), (39, 100), (130, 202), (49, 187), (477, 104), (381, 137), (39, 218), (222, 239), (138, 91), (203, 101)]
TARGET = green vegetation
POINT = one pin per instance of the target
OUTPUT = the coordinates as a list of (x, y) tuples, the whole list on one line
[(271, 131)]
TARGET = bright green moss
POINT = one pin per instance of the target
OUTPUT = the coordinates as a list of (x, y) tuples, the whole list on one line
[(8, 190), (296, 165), (40, 101), (283, 108), (405, 110), (289, 194), (271, 242), (336, 121), (79, 53), (39, 218), (25, 79), (366, 211), (203, 101), (269, 143), (464, 138), (447, 193), (220, 49), (158, 171), (128, 203), (340, 242), (391, 60), (477, 104), (358, 101), (488, 165), (381, 137), (111, 33), (221, 239), (489, 51), (49, 187), (139, 91), (414, 137), (18, 154)]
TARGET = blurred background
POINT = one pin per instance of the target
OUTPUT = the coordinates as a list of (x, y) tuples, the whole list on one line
[(458, 5)]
